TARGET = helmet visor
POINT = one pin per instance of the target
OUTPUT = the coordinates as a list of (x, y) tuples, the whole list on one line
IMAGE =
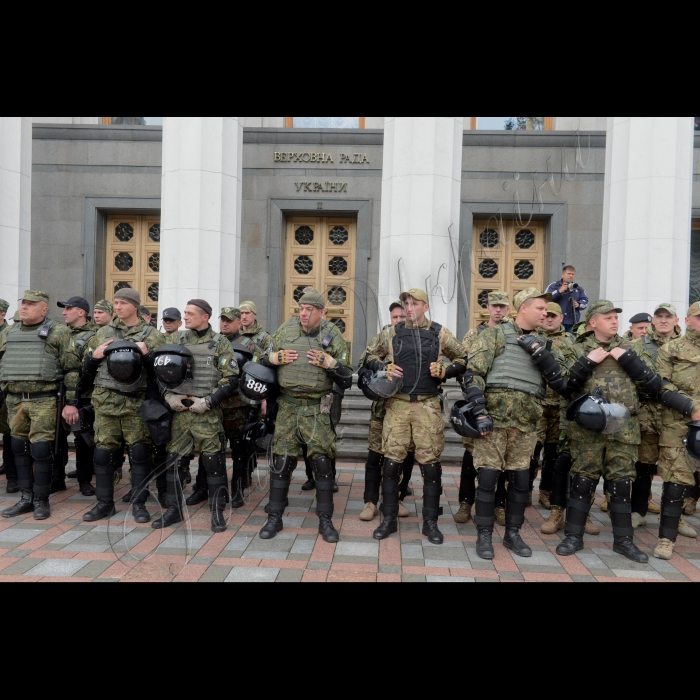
[(384, 386), (617, 418)]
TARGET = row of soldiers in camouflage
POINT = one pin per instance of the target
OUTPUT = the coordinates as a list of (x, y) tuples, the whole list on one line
[(520, 377)]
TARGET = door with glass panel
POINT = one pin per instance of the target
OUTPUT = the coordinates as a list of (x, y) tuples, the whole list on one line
[(320, 253), (505, 258), (133, 257)]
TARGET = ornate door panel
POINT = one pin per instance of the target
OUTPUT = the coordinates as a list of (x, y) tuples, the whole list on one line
[(321, 254), (505, 259), (133, 257)]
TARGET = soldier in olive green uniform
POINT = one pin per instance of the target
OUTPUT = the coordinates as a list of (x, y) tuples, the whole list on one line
[(199, 426), (602, 360), (311, 356), (678, 364), (8, 468), (414, 351), (117, 405), (511, 367), (36, 357)]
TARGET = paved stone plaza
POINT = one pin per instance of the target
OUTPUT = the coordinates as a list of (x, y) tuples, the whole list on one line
[(66, 549)]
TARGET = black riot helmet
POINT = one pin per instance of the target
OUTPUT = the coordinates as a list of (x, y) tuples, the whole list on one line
[(692, 444), (124, 362), (257, 382), (243, 355), (173, 365), (378, 386), (592, 412), (463, 420)]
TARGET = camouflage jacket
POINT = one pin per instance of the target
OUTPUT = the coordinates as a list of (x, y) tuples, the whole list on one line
[(584, 345), (257, 339), (81, 338), (378, 407), (561, 339), (679, 364), (4, 328), (235, 402), (61, 346), (508, 409)]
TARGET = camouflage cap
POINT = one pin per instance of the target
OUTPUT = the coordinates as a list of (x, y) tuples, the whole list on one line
[(33, 295), (694, 310), (396, 305), (249, 306), (601, 307), (499, 299), (554, 309), (527, 294), (313, 297), (4, 305), (230, 313), (16, 318), (105, 306), (669, 308), (417, 294)]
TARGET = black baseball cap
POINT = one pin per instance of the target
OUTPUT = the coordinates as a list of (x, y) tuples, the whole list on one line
[(77, 302), (172, 315), (640, 318)]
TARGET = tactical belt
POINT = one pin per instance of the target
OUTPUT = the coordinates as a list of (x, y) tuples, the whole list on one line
[(137, 395), (300, 402), (26, 396), (414, 398)]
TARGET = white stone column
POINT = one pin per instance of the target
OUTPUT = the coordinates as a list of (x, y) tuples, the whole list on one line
[(648, 212), (201, 211), (420, 201), (15, 207)]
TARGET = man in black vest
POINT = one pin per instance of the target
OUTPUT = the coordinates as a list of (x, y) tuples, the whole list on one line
[(413, 351)]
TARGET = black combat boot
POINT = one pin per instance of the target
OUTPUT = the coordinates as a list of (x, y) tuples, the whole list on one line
[(280, 480), (25, 505), (323, 468), (175, 478), (105, 467), (621, 516), (390, 500), (42, 452), (217, 485), (484, 518), (432, 491), (516, 503), (582, 490), (141, 472)]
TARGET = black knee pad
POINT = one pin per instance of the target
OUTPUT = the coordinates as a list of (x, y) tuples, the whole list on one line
[(323, 467), (42, 451), (103, 458), (563, 464), (488, 479), (214, 466), (374, 461), (392, 470), (520, 481), (672, 499), (582, 488), (139, 454), (21, 447), (284, 466), (620, 490), (432, 472)]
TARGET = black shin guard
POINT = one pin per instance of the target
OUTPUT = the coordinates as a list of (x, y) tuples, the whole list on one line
[(560, 481), (486, 499), (373, 477), (175, 478), (641, 489), (105, 468), (501, 490), (280, 479), (8, 458), (84, 460), (432, 490), (323, 469), (550, 459), (407, 473), (518, 497), (201, 480), (390, 487), (141, 472), (467, 480), (217, 481), (621, 507), (239, 479), (42, 452), (24, 463), (671, 510), (582, 489), (535, 465)]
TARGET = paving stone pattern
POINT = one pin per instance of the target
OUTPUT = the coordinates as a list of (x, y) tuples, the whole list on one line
[(66, 549)]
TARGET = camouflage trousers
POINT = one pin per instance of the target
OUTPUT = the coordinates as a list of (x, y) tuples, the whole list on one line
[(649, 449), (505, 450), (468, 445), (549, 426), (234, 420), (303, 425), (201, 433), (675, 468), (32, 420), (376, 437), (420, 424), (117, 421), (4, 425), (613, 461)]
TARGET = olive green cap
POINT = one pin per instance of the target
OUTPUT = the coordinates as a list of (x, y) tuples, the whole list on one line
[(499, 299), (694, 310), (417, 294), (601, 307), (313, 297), (33, 295), (105, 306), (249, 306), (4, 305), (527, 294), (130, 295), (554, 309), (231, 313)]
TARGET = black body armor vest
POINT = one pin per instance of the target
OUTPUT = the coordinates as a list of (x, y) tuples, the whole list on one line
[(414, 351)]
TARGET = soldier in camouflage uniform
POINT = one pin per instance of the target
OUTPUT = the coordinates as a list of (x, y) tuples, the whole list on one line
[(36, 357), (603, 360), (103, 313), (414, 351), (511, 367), (311, 356), (198, 421), (8, 468), (639, 325), (498, 308), (117, 406), (678, 364)]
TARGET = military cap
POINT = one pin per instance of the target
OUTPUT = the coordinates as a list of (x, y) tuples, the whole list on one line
[(4, 305), (396, 305), (640, 318), (130, 295), (527, 294), (230, 313), (499, 299), (145, 311), (554, 309), (203, 305), (601, 307), (33, 295), (77, 302), (172, 315), (105, 306), (670, 308), (313, 297), (16, 318), (694, 310), (249, 306), (417, 294)]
